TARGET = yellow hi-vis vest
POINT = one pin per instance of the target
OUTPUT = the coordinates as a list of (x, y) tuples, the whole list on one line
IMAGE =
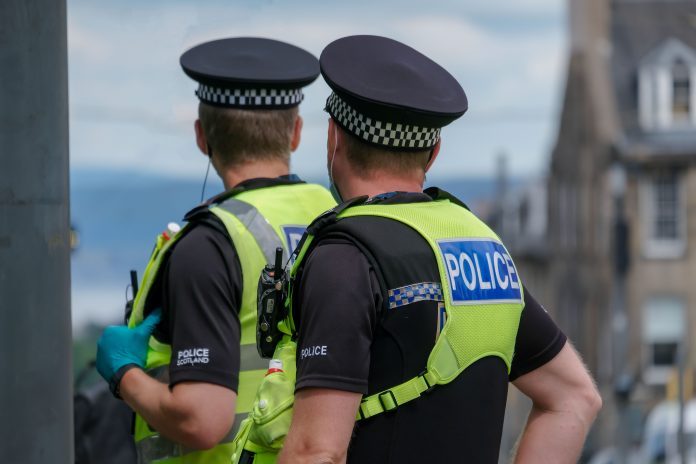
[(258, 221), (479, 322)]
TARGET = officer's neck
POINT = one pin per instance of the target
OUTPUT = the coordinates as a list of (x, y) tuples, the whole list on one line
[(234, 175), (380, 182)]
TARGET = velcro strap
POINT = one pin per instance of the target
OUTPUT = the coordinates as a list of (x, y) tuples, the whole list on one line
[(394, 397)]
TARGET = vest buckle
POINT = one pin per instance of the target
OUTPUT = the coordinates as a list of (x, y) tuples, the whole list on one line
[(388, 400), (422, 375)]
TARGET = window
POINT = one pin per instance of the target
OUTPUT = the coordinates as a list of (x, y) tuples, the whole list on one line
[(665, 93), (663, 212), (663, 330), (681, 91), (666, 206)]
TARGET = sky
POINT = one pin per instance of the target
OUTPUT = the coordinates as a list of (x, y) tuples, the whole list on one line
[(132, 108)]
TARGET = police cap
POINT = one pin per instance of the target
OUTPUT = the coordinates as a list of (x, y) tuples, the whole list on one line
[(388, 94), (250, 72)]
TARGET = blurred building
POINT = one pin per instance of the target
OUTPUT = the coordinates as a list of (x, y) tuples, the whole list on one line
[(520, 218), (519, 215), (622, 198)]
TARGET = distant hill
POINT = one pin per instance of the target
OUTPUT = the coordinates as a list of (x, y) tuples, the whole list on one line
[(114, 209), (122, 212)]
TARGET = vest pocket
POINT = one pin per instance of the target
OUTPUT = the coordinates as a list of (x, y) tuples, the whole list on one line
[(272, 411), (269, 420)]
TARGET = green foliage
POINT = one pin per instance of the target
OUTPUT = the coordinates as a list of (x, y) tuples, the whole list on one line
[(84, 354)]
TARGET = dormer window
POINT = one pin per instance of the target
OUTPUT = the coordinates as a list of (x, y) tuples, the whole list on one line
[(681, 91), (665, 93)]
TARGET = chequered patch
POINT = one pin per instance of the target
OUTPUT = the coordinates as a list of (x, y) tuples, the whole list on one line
[(379, 132), (266, 98), (423, 291)]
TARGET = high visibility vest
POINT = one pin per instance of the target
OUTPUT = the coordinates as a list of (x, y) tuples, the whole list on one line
[(477, 285), (257, 221)]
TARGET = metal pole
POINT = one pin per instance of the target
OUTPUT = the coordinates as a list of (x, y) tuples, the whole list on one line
[(681, 437), (36, 413), (621, 377)]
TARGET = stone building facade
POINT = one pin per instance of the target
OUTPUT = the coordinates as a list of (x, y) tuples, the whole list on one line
[(622, 201)]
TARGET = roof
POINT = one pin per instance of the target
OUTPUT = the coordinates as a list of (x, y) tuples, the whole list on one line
[(638, 30)]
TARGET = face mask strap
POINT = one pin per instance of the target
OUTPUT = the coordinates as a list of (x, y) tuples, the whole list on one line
[(332, 187), (207, 170)]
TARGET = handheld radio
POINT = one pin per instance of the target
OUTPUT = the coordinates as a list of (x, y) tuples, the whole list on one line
[(270, 309)]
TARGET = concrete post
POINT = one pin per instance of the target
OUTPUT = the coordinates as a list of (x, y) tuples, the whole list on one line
[(36, 416)]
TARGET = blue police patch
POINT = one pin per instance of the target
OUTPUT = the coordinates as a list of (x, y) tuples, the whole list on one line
[(293, 235), (479, 271)]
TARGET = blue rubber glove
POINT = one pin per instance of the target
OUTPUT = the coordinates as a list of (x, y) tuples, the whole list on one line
[(120, 348)]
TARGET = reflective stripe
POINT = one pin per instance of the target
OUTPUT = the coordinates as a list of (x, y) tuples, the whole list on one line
[(156, 447), (260, 228), (423, 291), (252, 370), (238, 418), (250, 360)]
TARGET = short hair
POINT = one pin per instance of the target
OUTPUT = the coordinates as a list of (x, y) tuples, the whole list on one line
[(365, 158), (237, 136)]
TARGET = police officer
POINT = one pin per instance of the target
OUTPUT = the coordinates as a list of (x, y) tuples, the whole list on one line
[(410, 315), (198, 294)]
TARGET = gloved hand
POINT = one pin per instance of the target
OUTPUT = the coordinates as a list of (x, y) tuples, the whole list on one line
[(120, 348)]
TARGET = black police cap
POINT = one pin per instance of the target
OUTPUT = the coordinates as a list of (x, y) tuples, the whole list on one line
[(250, 72), (388, 94)]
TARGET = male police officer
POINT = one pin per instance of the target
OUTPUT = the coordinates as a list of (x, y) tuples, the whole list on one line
[(203, 280), (410, 314)]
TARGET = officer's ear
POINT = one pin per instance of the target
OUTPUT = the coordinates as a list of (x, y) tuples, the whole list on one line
[(296, 133), (433, 155), (201, 141)]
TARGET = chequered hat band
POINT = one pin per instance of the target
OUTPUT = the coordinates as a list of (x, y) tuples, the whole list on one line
[(249, 97), (388, 134), (423, 291)]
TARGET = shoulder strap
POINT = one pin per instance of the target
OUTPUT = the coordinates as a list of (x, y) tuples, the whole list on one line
[(325, 219), (394, 397), (438, 194), (330, 216)]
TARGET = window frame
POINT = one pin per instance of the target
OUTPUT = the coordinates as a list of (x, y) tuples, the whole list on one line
[(654, 374), (679, 66), (654, 247), (656, 83)]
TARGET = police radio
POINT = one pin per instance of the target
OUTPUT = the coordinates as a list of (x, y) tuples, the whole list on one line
[(270, 309)]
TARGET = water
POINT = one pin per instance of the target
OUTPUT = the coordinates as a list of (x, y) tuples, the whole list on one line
[(117, 216)]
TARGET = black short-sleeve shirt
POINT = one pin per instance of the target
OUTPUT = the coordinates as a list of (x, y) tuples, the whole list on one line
[(201, 294)]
